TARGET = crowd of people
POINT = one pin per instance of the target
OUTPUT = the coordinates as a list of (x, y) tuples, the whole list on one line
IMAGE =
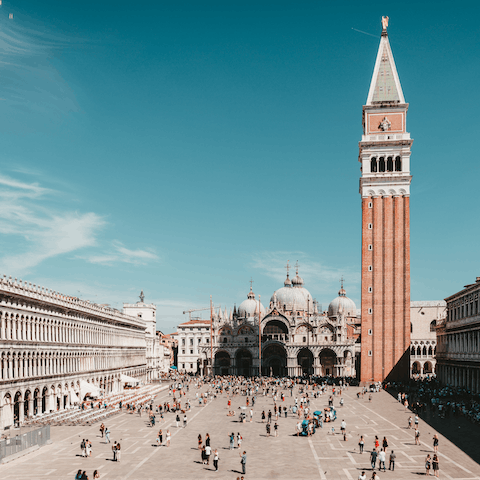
[(284, 398)]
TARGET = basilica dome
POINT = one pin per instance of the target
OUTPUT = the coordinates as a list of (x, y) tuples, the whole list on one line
[(343, 303), (250, 306), (293, 296)]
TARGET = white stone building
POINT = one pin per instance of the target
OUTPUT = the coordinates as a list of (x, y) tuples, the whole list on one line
[(424, 318), (458, 350), (190, 335), (53, 346)]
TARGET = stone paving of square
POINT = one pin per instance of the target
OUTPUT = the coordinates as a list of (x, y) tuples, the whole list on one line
[(321, 456)]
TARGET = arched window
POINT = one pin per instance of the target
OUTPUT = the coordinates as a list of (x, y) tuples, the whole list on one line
[(246, 339), (412, 351), (419, 351), (430, 351), (424, 351), (390, 164), (373, 164), (225, 340), (411, 327), (433, 324), (381, 164), (398, 164)]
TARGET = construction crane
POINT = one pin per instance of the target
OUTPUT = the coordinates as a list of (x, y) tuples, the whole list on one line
[(198, 310)]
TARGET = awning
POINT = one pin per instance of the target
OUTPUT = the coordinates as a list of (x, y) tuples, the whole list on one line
[(129, 380), (173, 367), (88, 389)]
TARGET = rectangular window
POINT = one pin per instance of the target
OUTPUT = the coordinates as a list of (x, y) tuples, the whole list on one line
[(183, 352), (183, 341), (183, 365), (207, 340), (191, 352), (191, 341), (191, 365)]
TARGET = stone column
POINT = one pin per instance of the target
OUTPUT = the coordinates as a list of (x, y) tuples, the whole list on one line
[(3, 320), (21, 411)]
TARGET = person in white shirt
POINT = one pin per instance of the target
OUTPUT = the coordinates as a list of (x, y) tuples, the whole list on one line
[(208, 452), (362, 476), (381, 459)]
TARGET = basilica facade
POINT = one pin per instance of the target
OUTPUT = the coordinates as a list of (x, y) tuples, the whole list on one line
[(289, 337)]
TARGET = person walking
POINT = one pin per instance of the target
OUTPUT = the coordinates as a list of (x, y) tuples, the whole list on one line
[(362, 476), (435, 443), (391, 465), (251, 415), (435, 465), (102, 429), (83, 448), (119, 452), (184, 421), (243, 461), (177, 419), (373, 458), (410, 421), (167, 438), (208, 452), (275, 428), (107, 435), (361, 443), (215, 459), (203, 455), (269, 416), (417, 437), (200, 441), (385, 443), (263, 416), (114, 450), (207, 440), (381, 460), (268, 429), (232, 441), (239, 440)]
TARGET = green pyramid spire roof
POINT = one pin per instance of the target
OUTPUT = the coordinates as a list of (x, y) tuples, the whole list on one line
[(385, 86)]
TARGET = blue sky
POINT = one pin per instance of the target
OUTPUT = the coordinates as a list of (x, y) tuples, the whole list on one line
[(184, 147)]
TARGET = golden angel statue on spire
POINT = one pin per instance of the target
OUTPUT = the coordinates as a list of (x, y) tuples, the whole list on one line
[(384, 22)]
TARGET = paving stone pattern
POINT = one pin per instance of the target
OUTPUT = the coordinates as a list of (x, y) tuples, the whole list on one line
[(322, 456)]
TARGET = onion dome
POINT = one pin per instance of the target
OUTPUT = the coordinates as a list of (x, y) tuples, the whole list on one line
[(342, 304), (289, 298), (250, 306), (297, 280)]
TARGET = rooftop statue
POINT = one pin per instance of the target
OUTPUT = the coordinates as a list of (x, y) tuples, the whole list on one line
[(384, 22)]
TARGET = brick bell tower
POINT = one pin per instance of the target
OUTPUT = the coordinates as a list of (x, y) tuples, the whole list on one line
[(385, 190)]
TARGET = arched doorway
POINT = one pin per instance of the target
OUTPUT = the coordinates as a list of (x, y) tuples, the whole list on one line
[(16, 407), (274, 361), (327, 362), (427, 368), (26, 404), (243, 361), (305, 361), (416, 369), (36, 395), (44, 399), (222, 363)]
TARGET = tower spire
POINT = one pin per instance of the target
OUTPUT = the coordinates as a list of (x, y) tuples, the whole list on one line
[(385, 86)]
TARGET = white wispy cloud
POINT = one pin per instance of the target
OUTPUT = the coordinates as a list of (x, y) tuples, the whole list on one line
[(41, 229), (46, 232), (120, 253)]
